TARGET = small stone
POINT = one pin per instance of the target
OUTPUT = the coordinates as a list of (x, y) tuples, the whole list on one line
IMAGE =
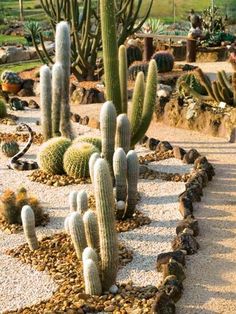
[(109, 308), (164, 146), (152, 143), (178, 152), (113, 289), (33, 104)]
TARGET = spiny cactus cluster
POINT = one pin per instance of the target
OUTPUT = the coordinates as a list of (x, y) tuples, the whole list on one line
[(10, 148), (54, 88), (192, 81), (94, 235), (164, 61), (10, 77), (3, 108)]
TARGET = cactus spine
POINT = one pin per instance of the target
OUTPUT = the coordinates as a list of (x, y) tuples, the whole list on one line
[(123, 75), (62, 48), (82, 202), (108, 130), (73, 201), (76, 229), (92, 161), (45, 100), (91, 277), (28, 222), (132, 178), (106, 223), (110, 53), (123, 131), (57, 74), (120, 173), (91, 229)]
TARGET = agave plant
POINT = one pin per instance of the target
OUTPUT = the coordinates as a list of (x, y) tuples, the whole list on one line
[(154, 26)]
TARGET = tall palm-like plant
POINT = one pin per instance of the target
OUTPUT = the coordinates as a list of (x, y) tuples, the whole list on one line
[(21, 7)]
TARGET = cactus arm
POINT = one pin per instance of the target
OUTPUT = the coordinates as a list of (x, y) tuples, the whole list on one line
[(227, 97), (205, 82), (192, 92), (224, 83), (106, 223), (91, 229), (226, 79), (92, 161), (148, 103), (120, 172), (216, 91), (110, 53), (28, 222), (123, 75), (91, 278), (73, 201), (123, 132), (56, 98), (82, 201)]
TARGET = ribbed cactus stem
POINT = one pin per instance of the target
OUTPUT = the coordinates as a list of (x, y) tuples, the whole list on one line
[(148, 103), (204, 80), (123, 75), (57, 77), (76, 228), (234, 87), (91, 229), (123, 132), (106, 223), (92, 161), (92, 280), (90, 253), (132, 178), (62, 48), (120, 173), (66, 223), (45, 101), (110, 53), (73, 200), (28, 222), (135, 113), (82, 201), (108, 130)]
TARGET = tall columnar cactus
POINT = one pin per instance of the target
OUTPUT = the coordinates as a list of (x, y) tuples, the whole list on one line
[(82, 202), (45, 100), (57, 77), (132, 178), (106, 223), (92, 280), (164, 61), (108, 130), (73, 201), (123, 132), (76, 229), (148, 104), (120, 173), (28, 222), (123, 75), (91, 229), (110, 53), (92, 161)]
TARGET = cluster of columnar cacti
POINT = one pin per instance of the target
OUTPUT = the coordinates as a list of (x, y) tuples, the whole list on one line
[(116, 74), (164, 61), (54, 88), (3, 108), (192, 81), (219, 90), (93, 233), (28, 222), (9, 148)]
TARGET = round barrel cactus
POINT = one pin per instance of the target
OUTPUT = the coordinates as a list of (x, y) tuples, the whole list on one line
[(50, 157), (9, 148), (10, 77), (134, 53), (137, 67), (164, 60), (96, 141), (76, 159), (3, 109)]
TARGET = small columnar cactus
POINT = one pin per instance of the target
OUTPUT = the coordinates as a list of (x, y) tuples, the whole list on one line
[(91, 229), (76, 230), (3, 108), (73, 201), (120, 173), (106, 223), (50, 156), (164, 61), (90, 253), (92, 280), (123, 76), (92, 161), (45, 101), (96, 141), (82, 201), (57, 77), (28, 222), (10, 148), (123, 132), (132, 178), (76, 159)]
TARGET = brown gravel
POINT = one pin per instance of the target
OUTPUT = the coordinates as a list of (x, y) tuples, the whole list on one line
[(21, 137)]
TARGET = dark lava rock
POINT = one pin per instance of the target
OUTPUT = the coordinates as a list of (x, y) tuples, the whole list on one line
[(185, 241), (178, 152), (191, 156), (164, 258), (164, 146), (173, 268), (172, 287), (185, 207), (152, 143), (163, 304), (75, 117), (33, 104), (190, 223), (84, 120), (143, 140)]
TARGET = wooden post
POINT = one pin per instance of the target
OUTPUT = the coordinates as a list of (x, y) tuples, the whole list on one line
[(191, 50), (148, 48)]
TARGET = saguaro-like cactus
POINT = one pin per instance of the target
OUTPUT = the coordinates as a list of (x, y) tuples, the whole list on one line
[(28, 222), (76, 229), (106, 223), (45, 101), (132, 178), (108, 130), (91, 229), (123, 132), (62, 48), (120, 173), (57, 77), (82, 201), (91, 277)]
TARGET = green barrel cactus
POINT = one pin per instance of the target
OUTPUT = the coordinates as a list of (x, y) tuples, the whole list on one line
[(76, 159), (137, 67), (10, 148), (123, 132), (106, 223), (91, 229), (3, 109), (96, 141), (134, 53), (164, 61), (50, 156), (28, 223)]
